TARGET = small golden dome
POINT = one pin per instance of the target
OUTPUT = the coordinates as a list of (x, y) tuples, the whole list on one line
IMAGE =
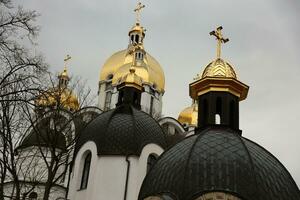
[(64, 74), (219, 68), (120, 62), (189, 115), (131, 79), (137, 28), (58, 96)]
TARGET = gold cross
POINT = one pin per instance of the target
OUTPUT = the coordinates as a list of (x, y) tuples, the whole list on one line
[(137, 10), (218, 34), (67, 58)]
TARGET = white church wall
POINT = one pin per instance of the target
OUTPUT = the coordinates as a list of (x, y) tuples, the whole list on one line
[(56, 192), (141, 171), (32, 166), (108, 178)]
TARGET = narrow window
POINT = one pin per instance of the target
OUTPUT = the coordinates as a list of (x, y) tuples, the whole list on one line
[(218, 116), (151, 105), (107, 100), (108, 95), (151, 161), (137, 38), (86, 171), (217, 119), (132, 38)]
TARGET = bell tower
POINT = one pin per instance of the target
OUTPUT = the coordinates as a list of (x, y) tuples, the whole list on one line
[(218, 91)]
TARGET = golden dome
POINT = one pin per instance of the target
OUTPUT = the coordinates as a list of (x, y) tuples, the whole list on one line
[(189, 115), (58, 96), (219, 68), (131, 79), (64, 73), (137, 28), (120, 62)]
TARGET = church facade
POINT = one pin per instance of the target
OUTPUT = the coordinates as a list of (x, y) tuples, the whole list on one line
[(125, 149)]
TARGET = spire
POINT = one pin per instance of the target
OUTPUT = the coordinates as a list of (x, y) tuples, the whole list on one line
[(219, 37), (63, 76)]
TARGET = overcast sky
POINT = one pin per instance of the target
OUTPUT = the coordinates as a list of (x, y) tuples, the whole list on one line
[(264, 49)]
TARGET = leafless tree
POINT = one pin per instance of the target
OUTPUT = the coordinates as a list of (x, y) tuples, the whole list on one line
[(54, 128), (19, 83)]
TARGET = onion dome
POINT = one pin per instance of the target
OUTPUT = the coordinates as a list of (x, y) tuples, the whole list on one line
[(189, 115), (119, 63), (63, 97), (124, 130), (219, 160), (59, 96), (131, 79), (219, 68), (152, 71)]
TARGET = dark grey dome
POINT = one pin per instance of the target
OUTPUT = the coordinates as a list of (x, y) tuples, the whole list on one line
[(219, 159), (43, 135), (122, 131)]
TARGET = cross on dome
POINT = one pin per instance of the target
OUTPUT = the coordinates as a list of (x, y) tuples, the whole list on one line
[(66, 59), (219, 36), (138, 10)]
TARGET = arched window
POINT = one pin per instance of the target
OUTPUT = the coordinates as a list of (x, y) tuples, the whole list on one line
[(33, 196), (86, 171), (151, 161), (218, 115), (217, 119), (137, 38)]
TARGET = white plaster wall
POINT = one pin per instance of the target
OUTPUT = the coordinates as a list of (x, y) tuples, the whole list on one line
[(32, 167), (142, 165), (55, 193), (107, 177)]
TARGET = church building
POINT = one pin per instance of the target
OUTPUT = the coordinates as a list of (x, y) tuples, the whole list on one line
[(126, 149)]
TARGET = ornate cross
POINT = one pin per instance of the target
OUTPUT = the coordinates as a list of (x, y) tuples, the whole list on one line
[(218, 34), (67, 58), (137, 10)]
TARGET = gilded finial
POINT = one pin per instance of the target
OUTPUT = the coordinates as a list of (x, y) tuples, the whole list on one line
[(218, 34), (137, 10)]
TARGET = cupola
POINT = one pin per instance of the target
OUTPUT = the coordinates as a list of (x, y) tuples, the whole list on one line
[(218, 91)]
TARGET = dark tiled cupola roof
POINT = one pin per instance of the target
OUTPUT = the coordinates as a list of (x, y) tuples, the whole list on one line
[(124, 130), (219, 159)]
